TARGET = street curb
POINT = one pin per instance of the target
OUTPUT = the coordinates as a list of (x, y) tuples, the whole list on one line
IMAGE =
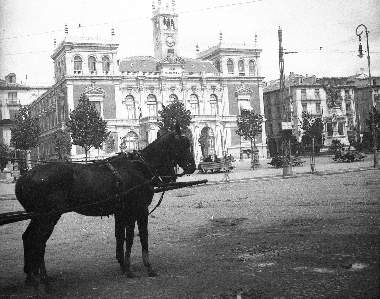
[(279, 177)]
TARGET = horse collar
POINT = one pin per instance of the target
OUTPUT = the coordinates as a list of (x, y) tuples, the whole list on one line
[(119, 180)]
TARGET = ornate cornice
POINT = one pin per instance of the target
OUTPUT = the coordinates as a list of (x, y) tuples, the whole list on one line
[(243, 90)]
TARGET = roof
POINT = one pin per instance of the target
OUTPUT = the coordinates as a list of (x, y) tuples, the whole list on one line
[(197, 66), (295, 80), (149, 64), (138, 64)]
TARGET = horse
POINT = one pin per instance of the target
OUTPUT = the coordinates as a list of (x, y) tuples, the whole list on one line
[(117, 185)]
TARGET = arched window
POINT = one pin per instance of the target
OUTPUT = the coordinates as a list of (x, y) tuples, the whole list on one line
[(230, 66), (129, 102), (217, 65), (152, 105), (241, 67), (194, 104), (106, 64), (252, 67), (92, 64), (213, 104), (172, 98)]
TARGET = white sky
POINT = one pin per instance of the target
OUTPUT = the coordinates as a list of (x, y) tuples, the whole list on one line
[(28, 28)]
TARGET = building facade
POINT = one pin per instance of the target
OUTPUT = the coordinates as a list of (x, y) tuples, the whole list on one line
[(344, 119), (13, 95), (130, 92)]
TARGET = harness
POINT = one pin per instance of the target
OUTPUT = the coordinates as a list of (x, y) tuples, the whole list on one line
[(120, 183)]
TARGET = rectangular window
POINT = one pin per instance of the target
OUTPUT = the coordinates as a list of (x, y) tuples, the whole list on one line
[(304, 107), (12, 114), (303, 94), (346, 93), (12, 95), (348, 107), (329, 129), (341, 128), (317, 94), (318, 108)]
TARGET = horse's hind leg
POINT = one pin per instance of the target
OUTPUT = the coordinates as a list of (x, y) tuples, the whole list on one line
[(34, 239), (120, 238), (129, 235), (142, 223)]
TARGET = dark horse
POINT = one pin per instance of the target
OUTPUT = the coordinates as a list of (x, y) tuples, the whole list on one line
[(118, 185)]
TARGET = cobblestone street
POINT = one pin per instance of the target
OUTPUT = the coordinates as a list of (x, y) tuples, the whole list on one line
[(302, 237)]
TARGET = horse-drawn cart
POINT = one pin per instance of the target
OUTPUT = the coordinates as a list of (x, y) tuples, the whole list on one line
[(16, 216)]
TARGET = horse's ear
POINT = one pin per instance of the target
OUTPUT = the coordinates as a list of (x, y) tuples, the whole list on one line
[(177, 129)]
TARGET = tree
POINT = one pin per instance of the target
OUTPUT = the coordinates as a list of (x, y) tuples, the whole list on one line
[(313, 129), (249, 126), (62, 144), (172, 114), (25, 134), (4, 155), (333, 97), (86, 126), (370, 124)]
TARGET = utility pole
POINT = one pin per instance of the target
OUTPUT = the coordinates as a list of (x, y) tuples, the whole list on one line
[(285, 124), (370, 84)]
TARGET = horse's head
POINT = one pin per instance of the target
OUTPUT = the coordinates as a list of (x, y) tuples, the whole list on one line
[(181, 151), (168, 151)]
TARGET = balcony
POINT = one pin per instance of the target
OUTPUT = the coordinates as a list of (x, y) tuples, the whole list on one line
[(13, 102)]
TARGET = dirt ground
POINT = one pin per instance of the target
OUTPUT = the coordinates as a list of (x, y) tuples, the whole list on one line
[(305, 237)]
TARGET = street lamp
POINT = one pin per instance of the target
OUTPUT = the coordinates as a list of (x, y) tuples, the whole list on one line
[(359, 32)]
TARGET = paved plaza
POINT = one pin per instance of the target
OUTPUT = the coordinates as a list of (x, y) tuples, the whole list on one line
[(309, 236)]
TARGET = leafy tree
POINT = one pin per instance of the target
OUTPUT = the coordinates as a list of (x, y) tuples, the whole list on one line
[(4, 155), (313, 128), (86, 126), (249, 126), (369, 136), (109, 145), (62, 144), (336, 146), (25, 133), (333, 97), (172, 114)]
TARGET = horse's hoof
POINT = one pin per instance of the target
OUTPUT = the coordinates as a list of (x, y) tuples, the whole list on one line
[(48, 288), (31, 281)]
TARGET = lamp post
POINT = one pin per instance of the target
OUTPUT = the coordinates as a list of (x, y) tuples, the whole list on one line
[(359, 31)]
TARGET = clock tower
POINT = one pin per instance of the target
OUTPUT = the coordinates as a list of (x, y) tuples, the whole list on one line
[(165, 29)]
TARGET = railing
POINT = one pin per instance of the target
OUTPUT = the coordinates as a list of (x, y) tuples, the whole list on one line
[(13, 102)]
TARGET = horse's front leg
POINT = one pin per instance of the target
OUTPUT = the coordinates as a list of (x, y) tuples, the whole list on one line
[(142, 223)]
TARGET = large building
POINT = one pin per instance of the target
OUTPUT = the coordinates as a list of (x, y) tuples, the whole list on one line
[(129, 92), (344, 120), (13, 95)]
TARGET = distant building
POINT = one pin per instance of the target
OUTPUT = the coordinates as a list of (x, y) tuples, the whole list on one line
[(343, 120), (356, 104), (129, 92), (302, 94), (12, 96)]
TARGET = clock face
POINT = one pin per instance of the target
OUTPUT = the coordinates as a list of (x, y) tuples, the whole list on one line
[(170, 41)]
